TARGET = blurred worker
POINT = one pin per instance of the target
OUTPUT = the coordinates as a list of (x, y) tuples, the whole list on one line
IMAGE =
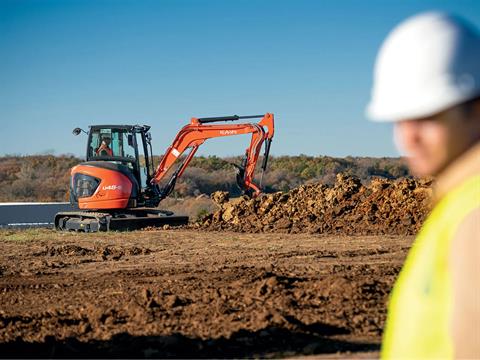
[(427, 81), (104, 148)]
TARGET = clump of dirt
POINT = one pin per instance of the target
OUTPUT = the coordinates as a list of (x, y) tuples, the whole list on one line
[(64, 250), (396, 207), (220, 197), (104, 252), (116, 252)]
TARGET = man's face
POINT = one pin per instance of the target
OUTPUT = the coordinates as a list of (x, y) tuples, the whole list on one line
[(432, 143), (106, 141)]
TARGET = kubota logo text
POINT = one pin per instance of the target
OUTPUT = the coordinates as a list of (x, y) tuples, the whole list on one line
[(112, 187), (228, 132)]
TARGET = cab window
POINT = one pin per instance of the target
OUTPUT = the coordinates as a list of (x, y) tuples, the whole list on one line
[(111, 143)]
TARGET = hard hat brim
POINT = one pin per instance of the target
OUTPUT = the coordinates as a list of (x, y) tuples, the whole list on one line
[(426, 106)]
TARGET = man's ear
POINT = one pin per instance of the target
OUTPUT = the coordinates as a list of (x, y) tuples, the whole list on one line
[(476, 108), (475, 117), (471, 109)]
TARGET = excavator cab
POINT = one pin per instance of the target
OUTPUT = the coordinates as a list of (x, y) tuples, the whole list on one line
[(124, 145), (118, 169)]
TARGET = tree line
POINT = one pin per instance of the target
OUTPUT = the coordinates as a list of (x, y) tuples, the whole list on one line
[(46, 177)]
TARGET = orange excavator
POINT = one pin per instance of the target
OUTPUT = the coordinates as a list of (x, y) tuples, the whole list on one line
[(116, 188)]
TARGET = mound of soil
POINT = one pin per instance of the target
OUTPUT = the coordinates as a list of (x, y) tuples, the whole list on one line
[(348, 207)]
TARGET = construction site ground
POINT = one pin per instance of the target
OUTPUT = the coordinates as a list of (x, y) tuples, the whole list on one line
[(193, 293)]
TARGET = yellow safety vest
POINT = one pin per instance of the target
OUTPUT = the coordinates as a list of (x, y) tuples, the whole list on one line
[(419, 312)]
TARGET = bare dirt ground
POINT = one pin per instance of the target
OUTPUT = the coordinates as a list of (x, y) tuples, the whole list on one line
[(179, 293)]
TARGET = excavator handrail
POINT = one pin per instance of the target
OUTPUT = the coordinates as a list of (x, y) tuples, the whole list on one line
[(227, 118)]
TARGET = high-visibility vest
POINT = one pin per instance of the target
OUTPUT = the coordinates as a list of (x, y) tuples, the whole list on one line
[(420, 307)]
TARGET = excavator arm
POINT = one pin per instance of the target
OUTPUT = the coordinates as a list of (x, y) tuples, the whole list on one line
[(194, 134)]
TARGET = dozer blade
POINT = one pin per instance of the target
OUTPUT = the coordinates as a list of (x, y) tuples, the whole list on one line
[(128, 220), (122, 224)]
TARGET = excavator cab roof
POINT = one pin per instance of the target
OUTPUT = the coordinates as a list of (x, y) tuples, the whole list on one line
[(136, 128)]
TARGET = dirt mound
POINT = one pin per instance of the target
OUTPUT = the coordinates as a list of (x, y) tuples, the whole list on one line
[(348, 207)]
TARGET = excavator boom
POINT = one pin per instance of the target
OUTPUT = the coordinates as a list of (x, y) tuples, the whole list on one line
[(194, 134)]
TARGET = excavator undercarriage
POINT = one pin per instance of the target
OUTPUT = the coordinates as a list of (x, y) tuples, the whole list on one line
[(132, 219)]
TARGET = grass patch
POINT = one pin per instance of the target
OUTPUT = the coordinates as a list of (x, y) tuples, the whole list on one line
[(37, 234), (25, 235)]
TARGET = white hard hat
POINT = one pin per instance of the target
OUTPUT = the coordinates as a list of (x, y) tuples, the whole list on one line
[(427, 64)]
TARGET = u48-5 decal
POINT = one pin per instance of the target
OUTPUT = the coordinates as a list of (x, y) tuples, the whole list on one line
[(112, 187)]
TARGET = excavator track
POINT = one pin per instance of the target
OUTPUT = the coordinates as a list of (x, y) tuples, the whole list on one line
[(133, 219)]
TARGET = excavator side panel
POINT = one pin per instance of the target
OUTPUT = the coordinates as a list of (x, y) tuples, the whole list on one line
[(112, 192)]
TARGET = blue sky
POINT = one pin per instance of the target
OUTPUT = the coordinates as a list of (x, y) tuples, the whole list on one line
[(74, 63)]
